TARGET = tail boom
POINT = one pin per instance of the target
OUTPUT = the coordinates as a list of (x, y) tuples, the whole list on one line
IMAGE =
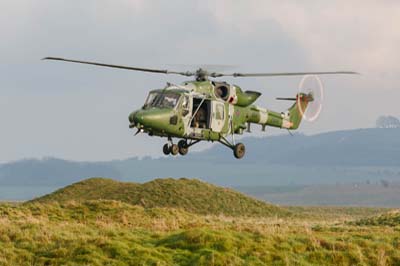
[(290, 119)]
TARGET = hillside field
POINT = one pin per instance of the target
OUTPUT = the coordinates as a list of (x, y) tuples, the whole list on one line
[(79, 226)]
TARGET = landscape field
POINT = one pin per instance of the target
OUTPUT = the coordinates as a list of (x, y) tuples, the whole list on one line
[(189, 222), (199, 133)]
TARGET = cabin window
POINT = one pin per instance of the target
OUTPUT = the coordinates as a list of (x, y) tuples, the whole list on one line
[(219, 112)]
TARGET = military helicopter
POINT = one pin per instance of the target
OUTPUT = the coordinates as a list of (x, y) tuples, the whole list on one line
[(211, 110)]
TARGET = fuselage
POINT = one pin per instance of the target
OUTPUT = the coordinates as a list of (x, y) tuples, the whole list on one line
[(203, 110)]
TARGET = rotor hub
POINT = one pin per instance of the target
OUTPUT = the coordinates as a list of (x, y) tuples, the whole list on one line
[(201, 74)]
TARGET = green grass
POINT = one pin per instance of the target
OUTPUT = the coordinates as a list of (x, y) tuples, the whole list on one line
[(105, 232), (391, 218), (187, 194), (87, 230), (335, 213)]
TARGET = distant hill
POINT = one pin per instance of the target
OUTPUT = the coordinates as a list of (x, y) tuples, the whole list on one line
[(359, 147), (52, 171), (328, 158), (188, 194), (349, 194)]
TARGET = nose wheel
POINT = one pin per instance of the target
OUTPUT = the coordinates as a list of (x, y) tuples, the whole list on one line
[(166, 149), (174, 149), (182, 147), (170, 149)]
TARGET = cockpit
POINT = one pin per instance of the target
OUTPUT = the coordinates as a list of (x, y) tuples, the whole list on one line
[(161, 99)]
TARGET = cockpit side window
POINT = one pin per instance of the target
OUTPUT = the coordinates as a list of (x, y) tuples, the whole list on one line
[(150, 100), (185, 105)]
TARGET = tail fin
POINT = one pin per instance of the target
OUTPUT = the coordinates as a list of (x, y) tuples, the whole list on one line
[(298, 109)]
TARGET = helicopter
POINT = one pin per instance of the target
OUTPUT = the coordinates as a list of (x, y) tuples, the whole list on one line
[(204, 109)]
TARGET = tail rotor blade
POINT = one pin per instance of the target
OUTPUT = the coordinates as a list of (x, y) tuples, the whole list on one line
[(313, 87)]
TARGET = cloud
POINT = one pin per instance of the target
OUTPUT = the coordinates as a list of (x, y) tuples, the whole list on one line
[(80, 112), (358, 35)]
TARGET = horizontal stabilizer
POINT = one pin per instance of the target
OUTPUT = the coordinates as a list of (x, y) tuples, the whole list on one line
[(286, 99)]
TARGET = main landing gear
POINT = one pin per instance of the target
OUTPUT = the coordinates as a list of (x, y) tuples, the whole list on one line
[(238, 149), (182, 147), (170, 149)]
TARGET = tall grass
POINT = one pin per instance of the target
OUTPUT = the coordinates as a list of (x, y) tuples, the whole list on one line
[(109, 232)]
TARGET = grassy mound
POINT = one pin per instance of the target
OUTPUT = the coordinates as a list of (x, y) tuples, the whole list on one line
[(391, 218), (190, 195)]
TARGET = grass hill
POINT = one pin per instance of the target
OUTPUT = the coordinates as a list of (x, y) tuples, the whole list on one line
[(190, 195), (177, 222)]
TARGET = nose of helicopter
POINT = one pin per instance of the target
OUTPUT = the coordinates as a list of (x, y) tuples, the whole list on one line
[(132, 119), (148, 119), (138, 119)]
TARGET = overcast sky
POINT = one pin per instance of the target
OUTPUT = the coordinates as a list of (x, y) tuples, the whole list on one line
[(80, 112)]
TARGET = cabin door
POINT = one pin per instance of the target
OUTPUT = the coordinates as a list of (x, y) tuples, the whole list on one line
[(217, 116)]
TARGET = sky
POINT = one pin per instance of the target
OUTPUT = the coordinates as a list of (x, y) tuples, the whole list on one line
[(80, 112)]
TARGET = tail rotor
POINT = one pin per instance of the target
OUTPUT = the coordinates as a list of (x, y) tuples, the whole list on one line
[(312, 87)]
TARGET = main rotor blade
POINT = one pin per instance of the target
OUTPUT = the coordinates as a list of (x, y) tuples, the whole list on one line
[(215, 75), (122, 67)]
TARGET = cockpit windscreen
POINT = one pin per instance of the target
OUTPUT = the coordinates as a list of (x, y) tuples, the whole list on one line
[(161, 100)]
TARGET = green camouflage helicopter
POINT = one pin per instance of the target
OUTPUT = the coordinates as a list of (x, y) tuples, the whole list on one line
[(208, 110)]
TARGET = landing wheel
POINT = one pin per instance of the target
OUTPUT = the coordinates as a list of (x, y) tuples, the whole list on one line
[(174, 149), (165, 149), (183, 147), (239, 150)]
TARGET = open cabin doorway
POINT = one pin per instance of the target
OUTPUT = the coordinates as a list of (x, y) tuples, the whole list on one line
[(201, 111)]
